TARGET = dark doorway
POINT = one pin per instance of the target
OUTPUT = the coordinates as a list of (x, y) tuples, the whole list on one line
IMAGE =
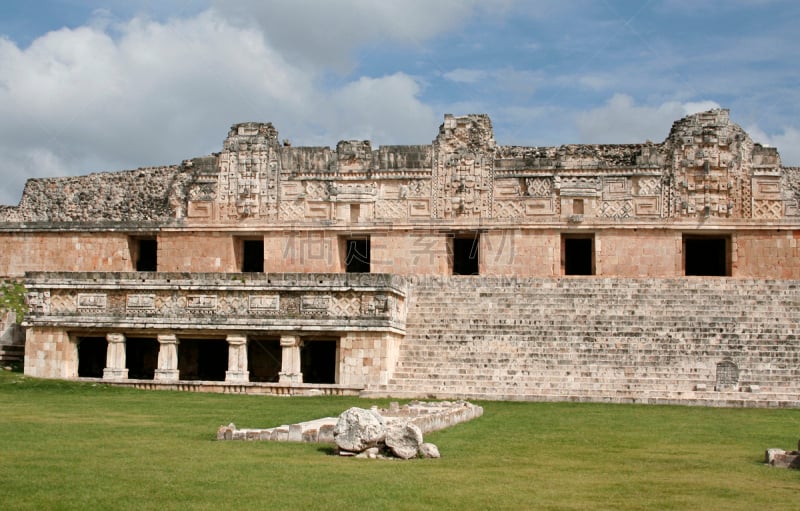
[(264, 359), (318, 361), (146, 255), (141, 358), (253, 256), (92, 356), (357, 256), (465, 254), (707, 256), (578, 255), (205, 359)]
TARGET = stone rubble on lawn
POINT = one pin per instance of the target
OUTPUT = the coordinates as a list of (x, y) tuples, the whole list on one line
[(395, 432), (783, 459)]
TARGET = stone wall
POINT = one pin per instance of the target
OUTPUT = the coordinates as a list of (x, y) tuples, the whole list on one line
[(639, 253), (524, 252), (50, 353), (196, 252), (63, 251), (760, 253), (720, 341), (304, 251), (144, 195)]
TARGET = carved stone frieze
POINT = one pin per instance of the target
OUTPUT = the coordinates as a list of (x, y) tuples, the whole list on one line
[(348, 301), (92, 301), (707, 167)]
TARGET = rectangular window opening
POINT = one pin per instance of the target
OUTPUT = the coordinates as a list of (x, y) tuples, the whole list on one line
[(203, 359), (252, 256), (577, 254), (145, 254), (318, 360), (264, 359), (141, 358), (357, 255), (466, 254), (707, 256), (91, 356)]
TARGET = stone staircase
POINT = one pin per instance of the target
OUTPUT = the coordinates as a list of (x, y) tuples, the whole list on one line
[(11, 353), (12, 340), (602, 339)]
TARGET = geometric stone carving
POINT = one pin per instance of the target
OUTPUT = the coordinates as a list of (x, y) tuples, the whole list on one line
[(508, 209), (542, 206), (767, 188), (539, 186), (648, 185), (768, 209), (420, 208), (345, 305), (616, 209), (647, 206), (616, 188), (292, 210), (391, 209)]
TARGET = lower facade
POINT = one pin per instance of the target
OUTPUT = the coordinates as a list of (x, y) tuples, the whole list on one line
[(693, 340), (267, 363)]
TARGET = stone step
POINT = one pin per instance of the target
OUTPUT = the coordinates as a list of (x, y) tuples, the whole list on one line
[(586, 337), (11, 353)]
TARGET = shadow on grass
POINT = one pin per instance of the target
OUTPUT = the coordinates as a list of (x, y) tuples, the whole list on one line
[(327, 449)]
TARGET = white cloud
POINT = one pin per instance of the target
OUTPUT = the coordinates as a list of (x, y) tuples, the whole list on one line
[(79, 100), (788, 144), (325, 32), (462, 75), (381, 109), (620, 121)]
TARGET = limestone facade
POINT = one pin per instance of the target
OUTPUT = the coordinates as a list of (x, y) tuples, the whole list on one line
[(260, 261)]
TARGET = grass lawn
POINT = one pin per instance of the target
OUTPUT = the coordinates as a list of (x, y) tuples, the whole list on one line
[(82, 446)]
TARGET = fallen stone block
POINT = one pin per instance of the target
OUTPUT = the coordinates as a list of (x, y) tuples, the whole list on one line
[(428, 450), (358, 429), (404, 439)]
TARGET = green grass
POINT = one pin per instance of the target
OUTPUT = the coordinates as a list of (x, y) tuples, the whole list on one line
[(84, 446)]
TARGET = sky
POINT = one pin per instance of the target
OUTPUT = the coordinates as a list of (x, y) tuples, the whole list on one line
[(89, 86)]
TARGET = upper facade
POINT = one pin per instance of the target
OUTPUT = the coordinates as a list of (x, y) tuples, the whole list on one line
[(708, 171)]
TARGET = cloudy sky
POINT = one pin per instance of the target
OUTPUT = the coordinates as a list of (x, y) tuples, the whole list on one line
[(89, 86)]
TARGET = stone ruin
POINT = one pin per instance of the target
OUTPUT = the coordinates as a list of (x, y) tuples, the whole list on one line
[(395, 432), (663, 272), (783, 459)]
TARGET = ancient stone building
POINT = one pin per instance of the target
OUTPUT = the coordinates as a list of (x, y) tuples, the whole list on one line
[(661, 272)]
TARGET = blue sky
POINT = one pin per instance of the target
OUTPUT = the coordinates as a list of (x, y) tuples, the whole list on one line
[(89, 86)]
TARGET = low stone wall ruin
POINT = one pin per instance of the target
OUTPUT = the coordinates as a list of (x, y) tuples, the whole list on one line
[(428, 416)]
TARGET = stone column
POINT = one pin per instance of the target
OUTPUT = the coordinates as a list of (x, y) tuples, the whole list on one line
[(237, 359), (290, 360), (115, 358), (167, 358)]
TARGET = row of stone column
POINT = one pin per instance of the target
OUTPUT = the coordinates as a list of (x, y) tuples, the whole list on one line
[(167, 369)]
